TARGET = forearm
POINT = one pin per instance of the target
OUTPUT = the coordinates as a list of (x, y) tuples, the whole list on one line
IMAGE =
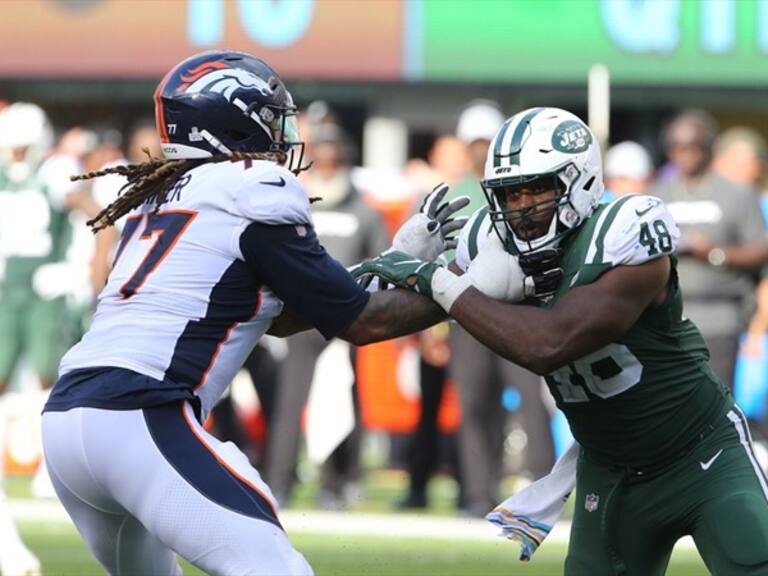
[(524, 335), (582, 321), (287, 324), (390, 314)]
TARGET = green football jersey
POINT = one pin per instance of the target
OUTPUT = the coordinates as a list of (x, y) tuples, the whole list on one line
[(641, 401), (32, 231)]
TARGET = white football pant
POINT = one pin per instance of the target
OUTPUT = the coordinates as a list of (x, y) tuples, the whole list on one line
[(143, 484)]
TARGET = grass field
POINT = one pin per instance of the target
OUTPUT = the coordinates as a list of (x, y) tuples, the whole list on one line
[(62, 553), (368, 541)]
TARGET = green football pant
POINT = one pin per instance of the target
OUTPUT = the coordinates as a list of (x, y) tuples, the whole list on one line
[(628, 524), (36, 328)]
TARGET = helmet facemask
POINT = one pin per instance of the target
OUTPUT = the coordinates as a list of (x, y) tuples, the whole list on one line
[(288, 140), (522, 229), (281, 125)]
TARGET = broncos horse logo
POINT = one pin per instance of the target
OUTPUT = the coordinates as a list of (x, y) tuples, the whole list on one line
[(220, 78)]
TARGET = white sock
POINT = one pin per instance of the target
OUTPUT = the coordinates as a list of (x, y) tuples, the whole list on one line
[(9, 536)]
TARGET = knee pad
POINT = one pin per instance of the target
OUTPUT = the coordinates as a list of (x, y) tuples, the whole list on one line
[(739, 523)]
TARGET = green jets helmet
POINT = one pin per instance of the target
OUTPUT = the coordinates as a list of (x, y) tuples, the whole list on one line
[(543, 148)]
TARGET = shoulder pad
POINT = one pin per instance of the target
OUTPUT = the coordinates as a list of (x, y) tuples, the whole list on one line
[(633, 230), (271, 194), (473, 236)]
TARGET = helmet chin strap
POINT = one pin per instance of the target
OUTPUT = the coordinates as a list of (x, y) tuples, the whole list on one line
[(214, 142)]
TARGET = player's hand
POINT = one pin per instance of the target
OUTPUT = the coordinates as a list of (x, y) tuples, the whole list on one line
[(399, 269), (544, 269), (54, 280), (432, 230), (367, 281), (502, 276), (497, 273)]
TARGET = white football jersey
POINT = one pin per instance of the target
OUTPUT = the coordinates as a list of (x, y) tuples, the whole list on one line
[(181, 304)]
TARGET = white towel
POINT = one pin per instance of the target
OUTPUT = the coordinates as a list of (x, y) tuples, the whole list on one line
[(528, 516), (330, 407)]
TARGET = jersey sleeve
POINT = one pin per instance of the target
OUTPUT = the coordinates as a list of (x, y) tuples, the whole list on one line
[(634, 230), (289, 260), (472, 237), (272, 196)]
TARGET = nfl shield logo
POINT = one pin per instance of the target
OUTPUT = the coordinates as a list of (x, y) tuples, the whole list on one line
[(591, 502)]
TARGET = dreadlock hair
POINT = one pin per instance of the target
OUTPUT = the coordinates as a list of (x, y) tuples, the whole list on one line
[(153, 179)]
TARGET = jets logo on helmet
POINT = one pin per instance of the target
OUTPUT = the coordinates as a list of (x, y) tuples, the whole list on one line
[(571, 137), (222, 102), (542, 149)]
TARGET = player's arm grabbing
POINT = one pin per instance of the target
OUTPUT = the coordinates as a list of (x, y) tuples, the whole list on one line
[(636, 275), (387, 314), (353, 314), (582, 321)]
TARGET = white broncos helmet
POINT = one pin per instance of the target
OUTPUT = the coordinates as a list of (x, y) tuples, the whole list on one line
[(534, 146)]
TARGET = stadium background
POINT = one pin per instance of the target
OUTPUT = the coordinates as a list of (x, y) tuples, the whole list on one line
[(398, 74)]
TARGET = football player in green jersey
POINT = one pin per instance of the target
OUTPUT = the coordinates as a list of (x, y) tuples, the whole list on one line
[(588, 296), (34, 230), (25, 216)]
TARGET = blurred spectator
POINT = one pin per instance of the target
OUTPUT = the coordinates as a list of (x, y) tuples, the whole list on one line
[(142, 143), (627, 170), (350, 230), (448, 162), (481, 375), (740, 155), (477, 126), (723, 238)]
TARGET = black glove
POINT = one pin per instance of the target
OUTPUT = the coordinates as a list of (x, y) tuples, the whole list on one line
[(544, 268)]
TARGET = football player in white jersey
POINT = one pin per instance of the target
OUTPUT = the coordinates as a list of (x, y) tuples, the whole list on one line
[(217, 249)]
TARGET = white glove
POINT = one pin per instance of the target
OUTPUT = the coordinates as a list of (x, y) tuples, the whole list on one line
[(498, 275), (55, 280), (428, 233)]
